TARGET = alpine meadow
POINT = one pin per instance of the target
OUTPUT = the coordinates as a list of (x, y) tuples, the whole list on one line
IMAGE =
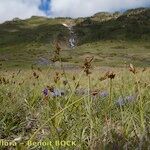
[(76, 84)]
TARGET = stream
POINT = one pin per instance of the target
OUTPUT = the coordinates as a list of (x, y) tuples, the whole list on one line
[(72, 35)]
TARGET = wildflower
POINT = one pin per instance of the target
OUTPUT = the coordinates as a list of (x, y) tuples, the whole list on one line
[(124, 100), (45, 92), (57, 93), (98, 94), (103, 94)]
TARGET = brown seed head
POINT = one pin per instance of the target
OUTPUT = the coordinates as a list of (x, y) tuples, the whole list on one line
[(104, 77), (132, 69), (87, 65), (108, 75), (65, 82), (73, 78), (50, 88), (56, 77), (35, 75), (144, 69), (111, 75), (95, 92)]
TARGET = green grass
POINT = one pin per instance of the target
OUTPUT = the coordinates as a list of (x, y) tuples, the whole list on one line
[(107, 53), (92, 122)]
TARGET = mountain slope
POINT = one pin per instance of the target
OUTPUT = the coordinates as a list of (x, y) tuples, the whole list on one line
[(112, 38), (132, 25)]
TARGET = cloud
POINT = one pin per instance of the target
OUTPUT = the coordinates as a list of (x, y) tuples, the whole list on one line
[(81, 8), (10, 9)]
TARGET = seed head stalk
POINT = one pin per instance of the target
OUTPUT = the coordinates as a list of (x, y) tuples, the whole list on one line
[(141, 110), (110, 76), (140, 105), (110, 93), (87, 66), (57, 57), (90, 110)]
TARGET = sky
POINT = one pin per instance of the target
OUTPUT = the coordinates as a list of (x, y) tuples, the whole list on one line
[(23, 9)]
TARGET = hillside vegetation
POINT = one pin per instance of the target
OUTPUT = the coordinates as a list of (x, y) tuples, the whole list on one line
[(113, 38)]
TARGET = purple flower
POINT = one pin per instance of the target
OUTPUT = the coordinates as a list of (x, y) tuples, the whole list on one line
[(124, 100), (58, 93), (45, 92), (103, 94)]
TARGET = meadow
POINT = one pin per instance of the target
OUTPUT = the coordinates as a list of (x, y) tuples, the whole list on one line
[(93, 96), (97, 107)]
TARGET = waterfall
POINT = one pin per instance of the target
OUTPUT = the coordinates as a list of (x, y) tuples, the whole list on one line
[(72, 36)]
